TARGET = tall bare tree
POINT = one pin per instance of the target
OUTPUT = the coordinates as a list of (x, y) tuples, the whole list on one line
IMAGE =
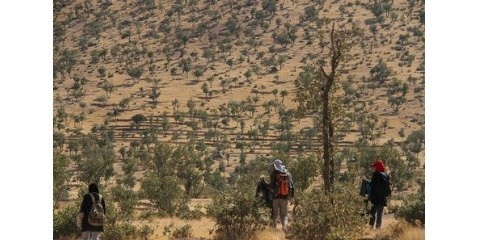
[(315, 88)]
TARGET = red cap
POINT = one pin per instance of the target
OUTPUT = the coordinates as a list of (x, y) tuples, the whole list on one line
[(378, 166)]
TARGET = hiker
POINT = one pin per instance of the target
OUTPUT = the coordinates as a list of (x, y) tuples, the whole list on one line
[(282, 189), (380, 190), (90, 232), (262, 188)]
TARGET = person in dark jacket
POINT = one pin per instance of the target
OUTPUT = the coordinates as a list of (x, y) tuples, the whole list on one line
[(262, 188), (90, 232), (378, 199)]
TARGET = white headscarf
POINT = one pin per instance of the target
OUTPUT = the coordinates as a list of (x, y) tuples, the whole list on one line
[(279, 166)]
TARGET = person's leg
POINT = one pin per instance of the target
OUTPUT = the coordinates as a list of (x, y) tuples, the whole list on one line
[(366, 207), (372, 212), (283, 212), (379, 217), (275, 212), (270, 206), (85, 235), (95, 235)]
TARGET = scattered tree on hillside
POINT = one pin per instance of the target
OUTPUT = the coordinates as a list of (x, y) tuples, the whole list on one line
[(283, 94), (285, 37), (205, 89), (380, 72), (138, 119), (95, 162), (135, 73), (310, 13), (397, 91), (314, 92), (154, 95), (233, 25), (65, 62), (270, 6), (198, 73), (60, 174), (108, 87), (185, 65)]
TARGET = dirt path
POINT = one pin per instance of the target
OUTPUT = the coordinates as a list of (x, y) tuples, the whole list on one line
[(201, 228)]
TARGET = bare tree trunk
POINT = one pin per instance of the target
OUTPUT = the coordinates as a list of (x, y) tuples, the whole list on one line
[(327, 125), (328, 164)]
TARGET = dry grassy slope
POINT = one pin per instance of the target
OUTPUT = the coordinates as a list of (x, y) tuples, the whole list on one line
[(183, 88), (180, 87), (362, 58)]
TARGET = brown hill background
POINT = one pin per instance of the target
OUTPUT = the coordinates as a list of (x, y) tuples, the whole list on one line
[(223, 73)]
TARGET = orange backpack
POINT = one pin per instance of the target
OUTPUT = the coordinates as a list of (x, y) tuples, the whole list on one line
[(282, 183)]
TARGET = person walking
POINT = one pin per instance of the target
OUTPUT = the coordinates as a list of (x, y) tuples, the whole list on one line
[(90, 232), (282, 189), (262, 188), (380, 190)]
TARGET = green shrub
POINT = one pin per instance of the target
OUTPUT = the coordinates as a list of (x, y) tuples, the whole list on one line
[(316, 218), (235, 214), (120, 231), (146, 231), (126, 200), (183, 232), (64, 222), (413, 209), (165, 193)]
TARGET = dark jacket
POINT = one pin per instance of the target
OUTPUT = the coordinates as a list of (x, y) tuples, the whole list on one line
[(377, 179), (263, 189), (86, 205)]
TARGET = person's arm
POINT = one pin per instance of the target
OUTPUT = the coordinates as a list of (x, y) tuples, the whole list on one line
[(272, 183), (257, 189), (291, 185), (373, 184), (79, 219), (103, 203), (84, 206), (82, 210)]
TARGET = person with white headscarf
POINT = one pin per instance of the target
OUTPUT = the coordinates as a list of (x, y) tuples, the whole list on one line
[(282, 190)]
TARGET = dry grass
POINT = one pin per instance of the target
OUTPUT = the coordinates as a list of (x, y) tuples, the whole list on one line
[(180, 87), (270, 234), (200, 228), (398, 230)]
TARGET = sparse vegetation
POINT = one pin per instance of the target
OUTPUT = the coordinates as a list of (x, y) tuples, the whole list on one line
[(159, 145)]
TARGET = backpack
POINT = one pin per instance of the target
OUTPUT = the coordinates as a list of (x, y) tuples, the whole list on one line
[(282, 184), (384, 186), (96, 216), (365, 188)]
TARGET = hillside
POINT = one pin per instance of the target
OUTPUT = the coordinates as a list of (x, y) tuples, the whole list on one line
[(221, 75), (99, 44)]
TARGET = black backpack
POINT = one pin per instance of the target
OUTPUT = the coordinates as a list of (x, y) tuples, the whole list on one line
[(96, 216), (384, 185), (365, 188)]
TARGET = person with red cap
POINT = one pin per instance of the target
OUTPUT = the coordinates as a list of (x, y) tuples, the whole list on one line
[(380, 190)]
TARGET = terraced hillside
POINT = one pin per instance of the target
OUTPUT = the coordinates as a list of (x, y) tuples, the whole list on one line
[(222, 77), (205, 73)]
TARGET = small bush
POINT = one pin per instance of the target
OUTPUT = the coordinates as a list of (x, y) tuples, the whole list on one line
[(413, 210), (64, 222), (120, 231), (316, 218), (236, 216), (146, 231), (183, 232)]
